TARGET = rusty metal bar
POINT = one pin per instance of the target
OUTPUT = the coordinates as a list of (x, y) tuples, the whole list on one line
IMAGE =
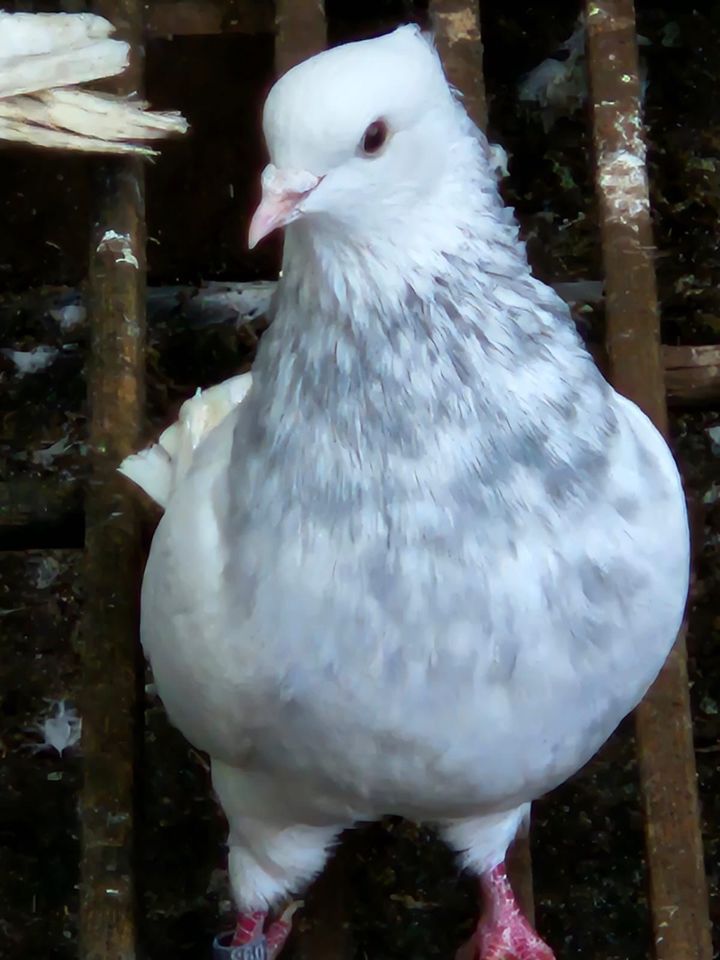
[(678, 887), (300, 31), (456, 24), (110, 706)]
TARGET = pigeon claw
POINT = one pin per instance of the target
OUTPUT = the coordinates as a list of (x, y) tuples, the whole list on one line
[(512, 941), (504, 932), (225, 949), (252, 939)]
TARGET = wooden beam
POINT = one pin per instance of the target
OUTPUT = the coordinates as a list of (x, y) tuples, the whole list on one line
[(300, 32), (31, 501), (110, 704), (678, 888), (456, 25), (692, 373), (457, 33)]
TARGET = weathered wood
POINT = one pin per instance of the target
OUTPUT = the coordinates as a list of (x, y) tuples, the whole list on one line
[(692, 375), (324, 929), (456, 24), (300, 31), (35, 512), (457, 33), (116, 306), (234, 304), (678, 888), (30, 501)]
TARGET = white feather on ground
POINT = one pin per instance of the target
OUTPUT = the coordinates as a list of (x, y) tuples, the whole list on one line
[(42, 59)]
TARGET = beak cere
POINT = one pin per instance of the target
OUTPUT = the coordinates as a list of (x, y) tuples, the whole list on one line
[(282, 193)]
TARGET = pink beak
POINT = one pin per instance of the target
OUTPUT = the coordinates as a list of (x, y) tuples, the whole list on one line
[(282, 193)]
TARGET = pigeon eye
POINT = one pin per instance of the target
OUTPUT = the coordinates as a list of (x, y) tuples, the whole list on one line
[(374, 138)]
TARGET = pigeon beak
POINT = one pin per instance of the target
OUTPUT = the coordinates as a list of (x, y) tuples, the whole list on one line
[(282, 193)]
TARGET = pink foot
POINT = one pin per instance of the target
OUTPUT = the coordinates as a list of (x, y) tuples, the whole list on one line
[(503, 932), (252, 938)]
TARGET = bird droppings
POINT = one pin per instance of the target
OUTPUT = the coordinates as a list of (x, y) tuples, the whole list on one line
[(60, 730), (69, 316), (623, 177), (47, 570), (118, 243), (460, 25)]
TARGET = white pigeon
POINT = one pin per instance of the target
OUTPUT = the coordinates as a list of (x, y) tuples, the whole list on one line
[(432, 559), (42, 58)]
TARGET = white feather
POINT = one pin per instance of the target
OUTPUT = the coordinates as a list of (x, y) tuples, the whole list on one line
[(42, 58), (160, 468)]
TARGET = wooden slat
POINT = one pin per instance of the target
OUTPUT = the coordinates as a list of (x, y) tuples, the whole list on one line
[(456, 24), (692, 373), (31, 502), (116, 305), (678, 889), (300, 31)]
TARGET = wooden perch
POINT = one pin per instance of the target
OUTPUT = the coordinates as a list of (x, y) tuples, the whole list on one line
[(663, 721), (692, 375)]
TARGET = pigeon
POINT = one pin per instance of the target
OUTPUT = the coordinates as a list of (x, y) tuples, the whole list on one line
[(432, 559), (43, 56)]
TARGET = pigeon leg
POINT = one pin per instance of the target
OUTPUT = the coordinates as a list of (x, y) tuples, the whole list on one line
[(252, 939), (503, 933)]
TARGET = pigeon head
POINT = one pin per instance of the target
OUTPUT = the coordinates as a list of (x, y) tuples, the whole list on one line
[(357, 136)]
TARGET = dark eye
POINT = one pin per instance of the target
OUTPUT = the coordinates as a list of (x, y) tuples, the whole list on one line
[(374, 138)]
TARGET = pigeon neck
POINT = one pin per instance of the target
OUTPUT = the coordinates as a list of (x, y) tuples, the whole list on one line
[(383, 360)]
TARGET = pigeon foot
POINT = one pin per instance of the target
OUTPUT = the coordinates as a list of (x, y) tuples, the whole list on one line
[(516, 940), (252, 940), (503, 933)]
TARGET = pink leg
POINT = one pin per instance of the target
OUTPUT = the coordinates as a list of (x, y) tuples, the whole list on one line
[(503, 932), (277, 933), (248, 927), (250, 930)]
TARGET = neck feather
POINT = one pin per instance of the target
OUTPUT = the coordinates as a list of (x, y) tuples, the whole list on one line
[(442, 353)]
